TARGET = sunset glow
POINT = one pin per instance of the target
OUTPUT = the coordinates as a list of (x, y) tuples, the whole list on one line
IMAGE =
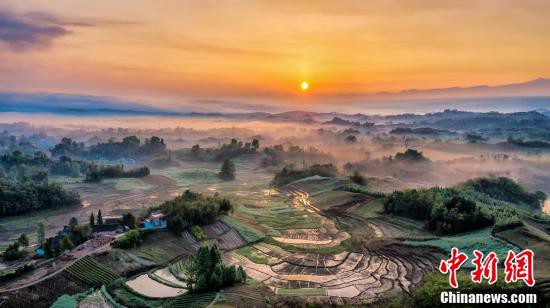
[(255, 50)]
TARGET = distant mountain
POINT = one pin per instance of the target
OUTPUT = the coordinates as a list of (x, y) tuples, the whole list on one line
[(546, 112), (536, 87), (74, 104)]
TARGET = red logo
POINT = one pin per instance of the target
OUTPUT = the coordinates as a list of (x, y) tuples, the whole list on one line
[(485, 268), (452, 265), (516, 267), (520, 267)]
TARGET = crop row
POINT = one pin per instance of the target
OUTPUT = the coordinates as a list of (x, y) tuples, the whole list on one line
[(90, 271)]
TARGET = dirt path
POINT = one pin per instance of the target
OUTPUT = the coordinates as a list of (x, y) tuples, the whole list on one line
[(55, 272)]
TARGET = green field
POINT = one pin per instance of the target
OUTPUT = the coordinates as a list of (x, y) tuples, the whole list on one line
[(90, 271), (127, 184), (371, 209), (329, 199), (248, 233), (257, 256), (280, 217), (346, 245), (191, 300), (190, 177), (481, 240), (317, 184), (129, 299), (302, 292), (154, 254)]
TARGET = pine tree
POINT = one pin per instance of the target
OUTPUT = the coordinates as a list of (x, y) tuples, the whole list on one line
[(243, 275), (216, 280), (215, 256), (227, 172), (23, 240), (92, 219), (66, 243), (41, 234), (99, 218)]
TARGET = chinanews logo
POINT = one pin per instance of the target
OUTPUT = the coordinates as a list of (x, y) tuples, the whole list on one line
[(517, 267)]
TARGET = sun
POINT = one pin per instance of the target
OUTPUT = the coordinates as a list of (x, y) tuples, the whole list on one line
[(304, 85)]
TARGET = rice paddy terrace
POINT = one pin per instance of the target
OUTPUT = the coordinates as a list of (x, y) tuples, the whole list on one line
[(322, 260)]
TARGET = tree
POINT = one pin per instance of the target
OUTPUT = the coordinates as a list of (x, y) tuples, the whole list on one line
[(357, 178), (12, 252), (40, 233), (242, 274), (23, 240), (66, 243), (129, 220), (227, 172), (99, 218), (195, 151), (255, 144), (73, 222), (216, 279), (225, 205), (92, 219)]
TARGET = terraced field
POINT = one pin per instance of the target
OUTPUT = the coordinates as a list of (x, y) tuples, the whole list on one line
[(297, 263), (92, 272)]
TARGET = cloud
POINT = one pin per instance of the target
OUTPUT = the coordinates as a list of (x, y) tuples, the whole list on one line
[(23, 32)]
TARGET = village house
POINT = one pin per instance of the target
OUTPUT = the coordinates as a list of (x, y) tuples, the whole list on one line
[(155, 220)]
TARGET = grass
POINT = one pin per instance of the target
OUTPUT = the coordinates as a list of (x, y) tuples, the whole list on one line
[(257, 256), (327, 200), (346, 245), (248, 233), (90, 271), (280, 217), (127, 184), (129, 299), (189, 178), (302, 292), (155, 254), (481, 240), (317, 184), (371, 209), (191, 300)]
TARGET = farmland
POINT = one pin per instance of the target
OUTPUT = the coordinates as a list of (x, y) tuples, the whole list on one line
[(91, 272)]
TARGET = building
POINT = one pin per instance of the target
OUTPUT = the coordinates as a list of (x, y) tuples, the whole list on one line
[(155, 220)]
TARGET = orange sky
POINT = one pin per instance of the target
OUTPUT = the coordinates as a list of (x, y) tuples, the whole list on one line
[(172, 49)]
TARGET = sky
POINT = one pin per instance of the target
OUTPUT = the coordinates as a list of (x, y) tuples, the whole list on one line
[(167, 51)]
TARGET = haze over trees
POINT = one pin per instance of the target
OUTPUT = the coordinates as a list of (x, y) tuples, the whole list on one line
[(192, 209), (97, 173), (228, 170), (22, 197), (290, 173), (129, 147)]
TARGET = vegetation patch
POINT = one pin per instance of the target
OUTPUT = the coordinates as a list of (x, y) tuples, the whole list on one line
[(127, 184), (248, 233), (345, 245), (90, 271), (190, 178), (302, 292), (481, 240), (257, 256)]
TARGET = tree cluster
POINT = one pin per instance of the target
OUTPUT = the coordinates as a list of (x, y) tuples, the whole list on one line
[(97, 173), (506, 189), (227, 172), (129, 147), (277, 155), (443, 210), (290, 174), (130, 239), (26, 196), (207, 272), (192, 209)]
